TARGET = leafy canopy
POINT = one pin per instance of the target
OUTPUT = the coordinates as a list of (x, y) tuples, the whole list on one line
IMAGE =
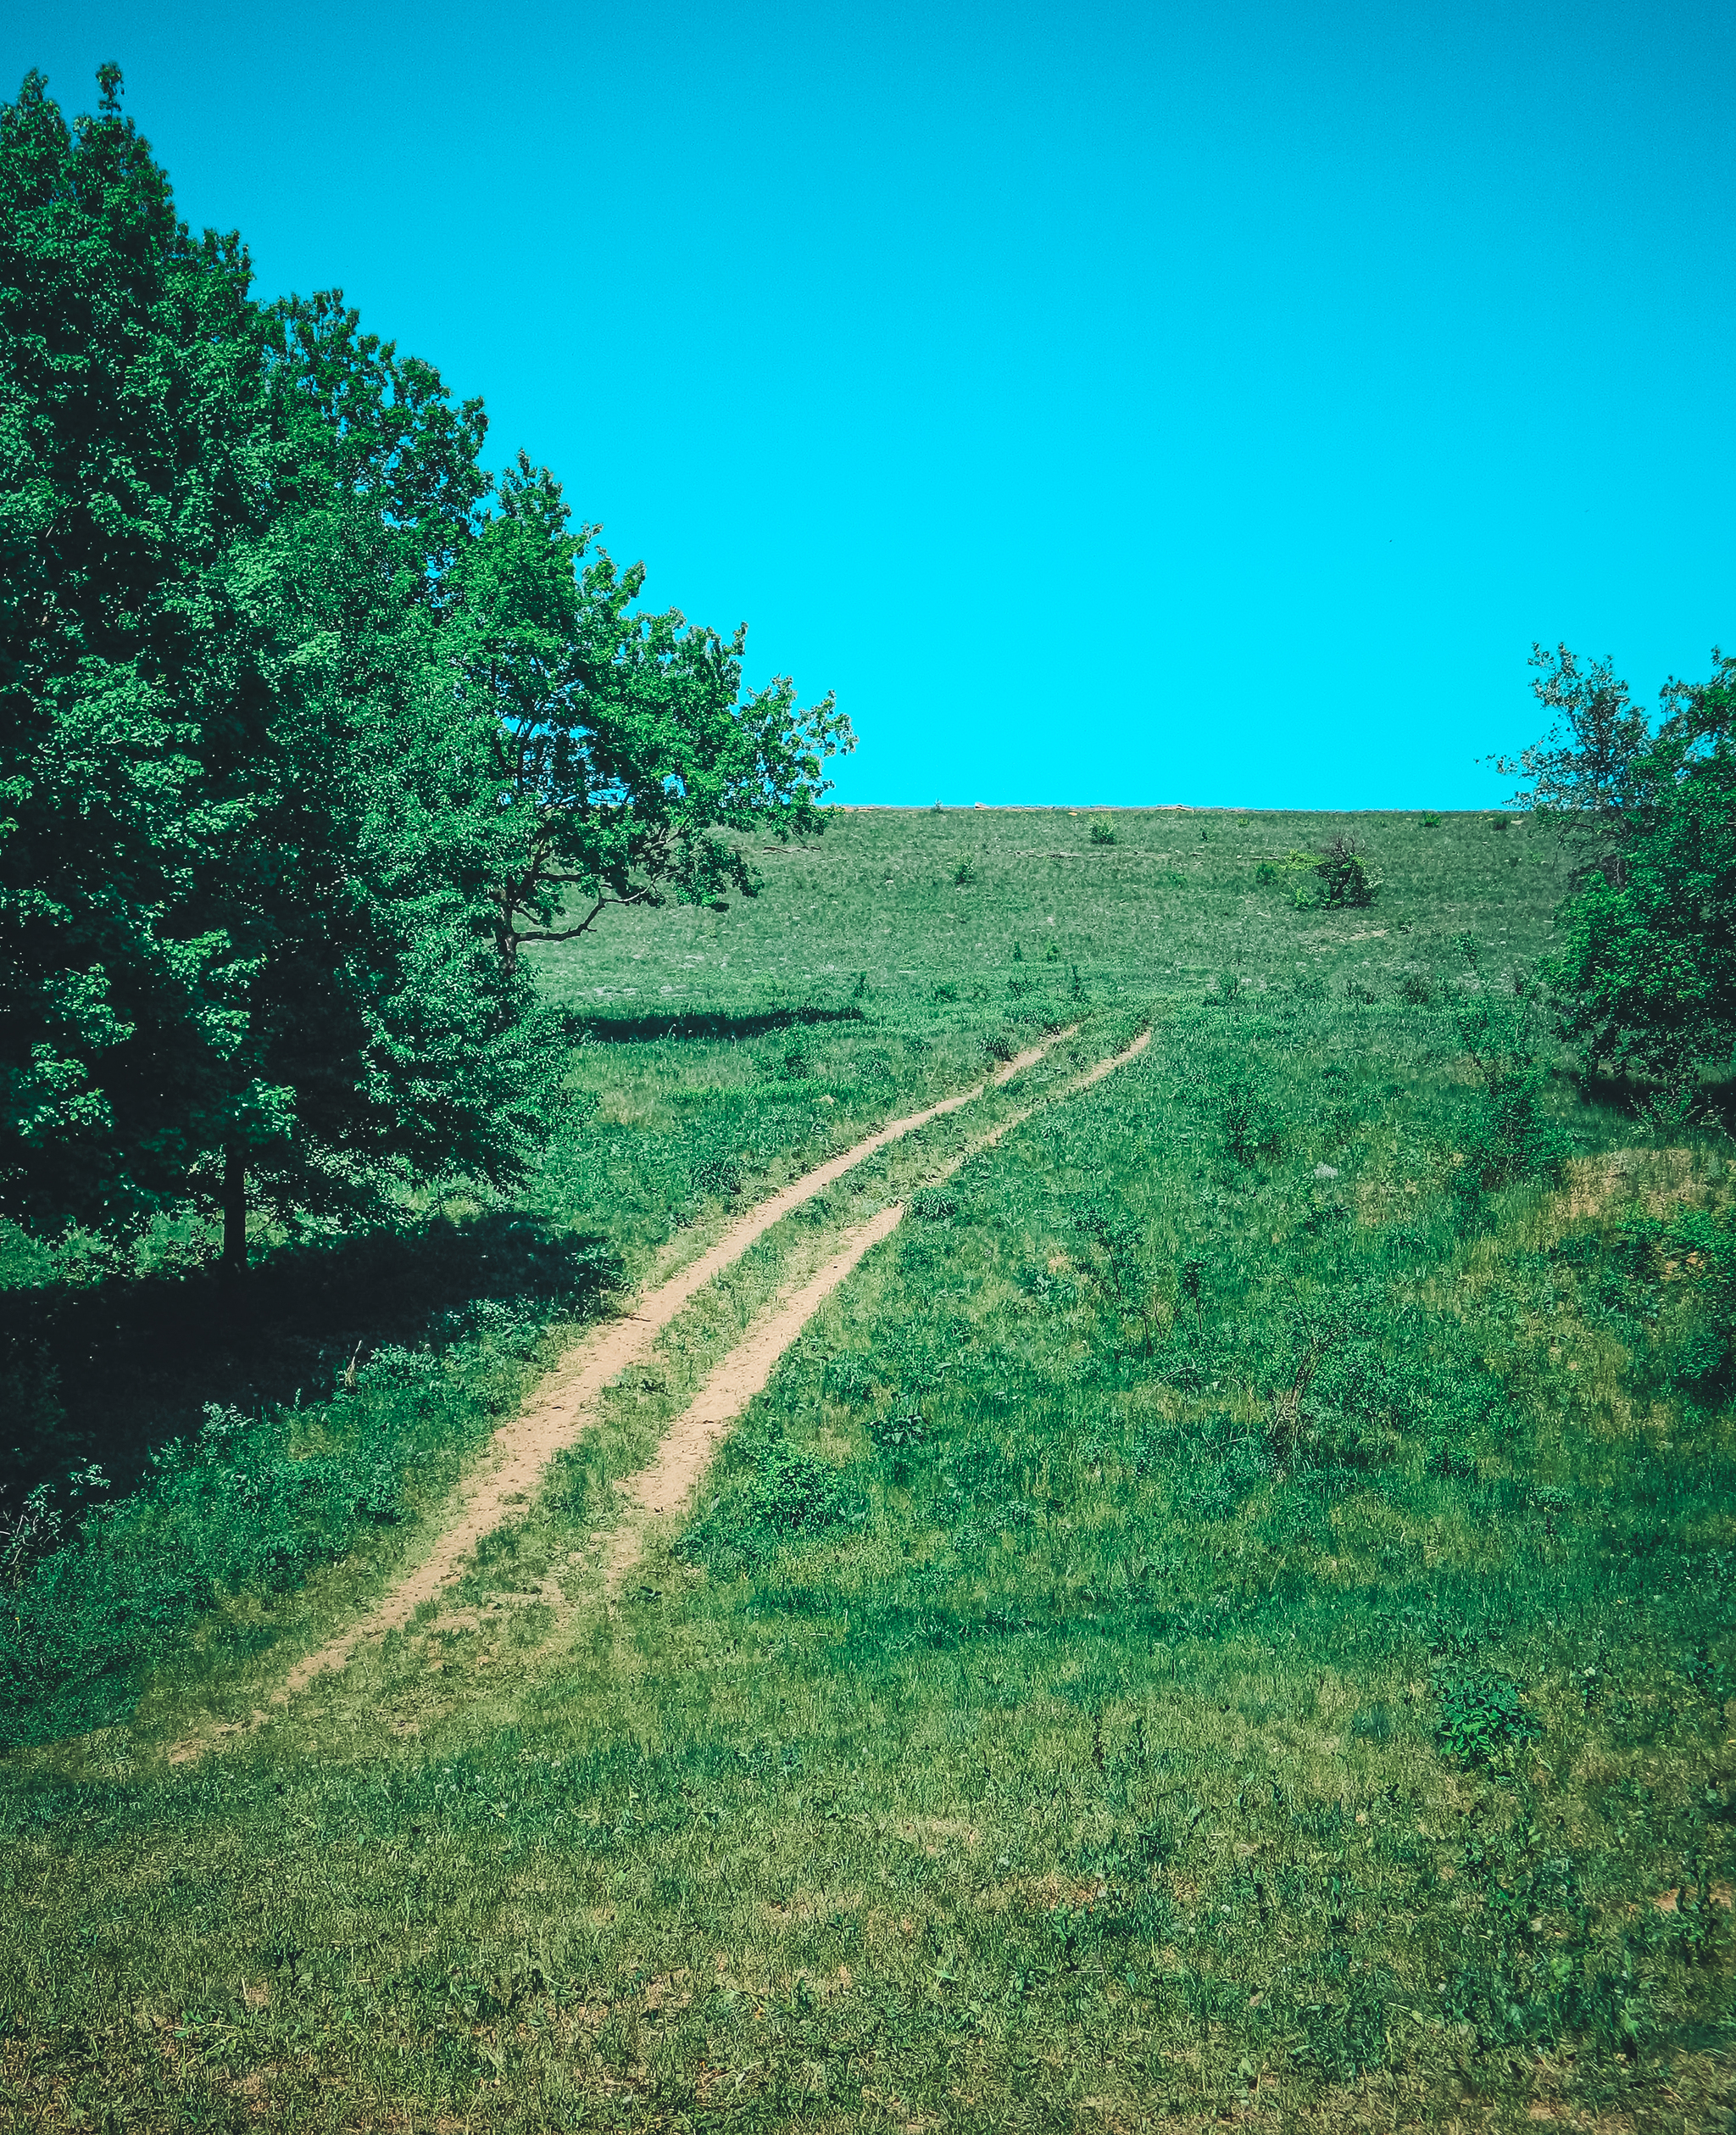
[(305, 726)]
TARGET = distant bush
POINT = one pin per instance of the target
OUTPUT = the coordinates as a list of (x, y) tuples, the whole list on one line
[(964, 875), (1417, 989), (1000, 1044), (1428, 821), (1249, 1117), (900, 1428), (933, 1205), (1343, 880), (1103, 832), (1514, 1137), (946, 990)]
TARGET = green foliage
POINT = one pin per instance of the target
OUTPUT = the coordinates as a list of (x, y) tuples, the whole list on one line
[(1646, 972), (1250, 1116), (1483, 1717), (1344, 882), (135, 670), (1513, 1134), (621, 741), (1103, 831), (302, 736), (790, 1492)]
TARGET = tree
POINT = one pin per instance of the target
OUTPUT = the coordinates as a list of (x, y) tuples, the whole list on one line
[(138, 472), (299, 739), (622, 741), (1646, 972), (245, 907), (1583, 772)]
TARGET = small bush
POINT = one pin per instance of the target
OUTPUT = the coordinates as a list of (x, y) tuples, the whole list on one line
[(1103, 832), (1483, 1718), (1416, 989), (1001, 1046), (1344, 880), (946, 990), (796, 1494), (1251, 1121), (1428, 821), (900, 1429), (964, 875)]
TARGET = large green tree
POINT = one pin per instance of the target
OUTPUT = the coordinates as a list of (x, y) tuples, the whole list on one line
[(139, 474), (245, 931), (304, 728), (621, 742)]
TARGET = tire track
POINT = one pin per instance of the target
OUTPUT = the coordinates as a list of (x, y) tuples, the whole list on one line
[(665, 1485), (507, 1476)]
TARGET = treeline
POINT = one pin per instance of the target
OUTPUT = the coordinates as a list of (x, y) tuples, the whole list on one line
[(307, 725)]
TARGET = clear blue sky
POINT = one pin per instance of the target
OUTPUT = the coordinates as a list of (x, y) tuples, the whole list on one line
[(1204, 402)]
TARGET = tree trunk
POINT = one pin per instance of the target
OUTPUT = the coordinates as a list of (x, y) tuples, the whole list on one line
[(234, 1209)]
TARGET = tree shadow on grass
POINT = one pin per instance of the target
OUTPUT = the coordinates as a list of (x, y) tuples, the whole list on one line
[(1713, 1102), (639, 1030), (113, 1369)]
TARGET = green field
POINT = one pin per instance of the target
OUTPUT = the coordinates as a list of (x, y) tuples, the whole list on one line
[(1226, 1613)]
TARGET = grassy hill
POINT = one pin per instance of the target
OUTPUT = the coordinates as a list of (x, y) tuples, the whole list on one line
[(1227, 1612)]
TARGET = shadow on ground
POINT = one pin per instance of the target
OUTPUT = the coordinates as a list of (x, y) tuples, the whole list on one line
[(638, 1030), (110, 1370)]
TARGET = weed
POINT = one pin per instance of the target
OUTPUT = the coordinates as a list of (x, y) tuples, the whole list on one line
[(794, 1493), (1103, 832), (1483, 1717)]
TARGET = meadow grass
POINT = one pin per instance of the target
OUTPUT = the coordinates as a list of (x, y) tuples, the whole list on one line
[(1226, 1613)]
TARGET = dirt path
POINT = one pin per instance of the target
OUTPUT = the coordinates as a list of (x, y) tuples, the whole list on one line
[(509, 1474), (687, 1446)]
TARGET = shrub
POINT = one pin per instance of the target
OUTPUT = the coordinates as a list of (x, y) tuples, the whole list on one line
[(716, 1175), (903, 1427), (1250, 1120), (794, 1493), (1343, 880), (1416, 989), (1103, 832), (964, 875), (1000, 1044), (946, 990)]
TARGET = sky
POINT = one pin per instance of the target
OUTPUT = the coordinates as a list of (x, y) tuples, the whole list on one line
[(1207, 403)]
